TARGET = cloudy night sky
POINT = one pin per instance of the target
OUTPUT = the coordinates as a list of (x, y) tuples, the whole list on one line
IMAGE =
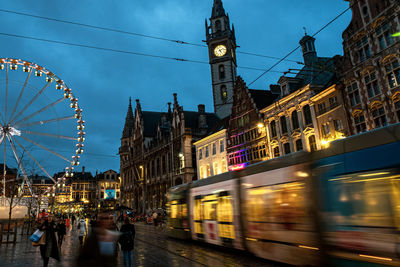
[(103, 80)]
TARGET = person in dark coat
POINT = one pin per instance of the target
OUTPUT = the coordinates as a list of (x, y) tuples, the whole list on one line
[(50, 248), (127, 240), (61, 231), (100, 249)]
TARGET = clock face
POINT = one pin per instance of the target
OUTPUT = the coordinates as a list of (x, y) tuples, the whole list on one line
[(220, 50)]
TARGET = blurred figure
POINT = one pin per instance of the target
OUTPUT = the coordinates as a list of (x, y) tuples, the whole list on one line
[(127, 240), (82, 230), (100, 249), (155, 216), (49, 249), (62, 231), (73, 220)]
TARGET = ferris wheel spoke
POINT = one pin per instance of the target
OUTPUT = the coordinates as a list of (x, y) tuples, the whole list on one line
[(45, 148), (51, 135), (4, 169), (30, 103), (21, 93), (5, 113), (45, 121), (33, 158), (21, 167), (40, 110)]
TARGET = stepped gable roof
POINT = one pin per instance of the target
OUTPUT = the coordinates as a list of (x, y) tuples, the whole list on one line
[(262, 98), (192, 119), (150, 120)]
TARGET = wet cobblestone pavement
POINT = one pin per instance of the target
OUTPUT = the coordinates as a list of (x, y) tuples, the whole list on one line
[(152, 248)]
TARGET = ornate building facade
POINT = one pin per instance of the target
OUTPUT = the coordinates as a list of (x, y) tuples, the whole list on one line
[(157, 152), (307, 103), (371, 71), (246, 132)]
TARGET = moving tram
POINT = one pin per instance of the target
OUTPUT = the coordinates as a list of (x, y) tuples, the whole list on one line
[(339, 206)]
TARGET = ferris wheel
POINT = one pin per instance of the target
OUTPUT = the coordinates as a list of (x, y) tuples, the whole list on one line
[(41, 125)]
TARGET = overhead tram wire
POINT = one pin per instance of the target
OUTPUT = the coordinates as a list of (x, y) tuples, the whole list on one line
[(133, 33), (117, 50), (291, 52)]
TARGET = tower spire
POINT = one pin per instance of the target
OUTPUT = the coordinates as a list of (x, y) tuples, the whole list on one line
[(218, 9), (129, 122)]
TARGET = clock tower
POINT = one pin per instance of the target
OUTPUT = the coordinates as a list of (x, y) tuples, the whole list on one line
[(221, 41)]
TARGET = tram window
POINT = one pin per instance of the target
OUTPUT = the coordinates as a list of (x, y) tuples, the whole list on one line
[(198, 215), (283, 204), (174, 209), (225, 215), (365, 202), (210, 205)]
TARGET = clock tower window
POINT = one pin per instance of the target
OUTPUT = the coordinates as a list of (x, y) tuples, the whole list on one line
[(221, 72)]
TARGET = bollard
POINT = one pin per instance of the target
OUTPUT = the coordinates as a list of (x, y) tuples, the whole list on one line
[(15, 232)]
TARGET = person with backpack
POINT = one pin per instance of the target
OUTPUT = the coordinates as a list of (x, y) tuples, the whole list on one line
[(127, 239)]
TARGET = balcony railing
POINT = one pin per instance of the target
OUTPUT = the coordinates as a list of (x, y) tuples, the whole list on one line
[(326, 109)]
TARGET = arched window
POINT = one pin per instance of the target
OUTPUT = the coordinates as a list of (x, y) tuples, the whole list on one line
[(217, 25), (221, 69), (273, 129), (276, 152), (312, 142), (299, 145), (295, 120), (307, 114), (392, 69), (379, 116), (224, 93), (286, 148), (283, 125)]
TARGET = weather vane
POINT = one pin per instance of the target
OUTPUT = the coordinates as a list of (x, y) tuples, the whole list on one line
[(305, 30)]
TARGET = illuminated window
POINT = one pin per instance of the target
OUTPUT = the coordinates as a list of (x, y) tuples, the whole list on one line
[(198, 216), (225, 215), (223, 166), (216, 170), (392, 69), (283, 205), (208, 170), (338, 125), (313, 143), (276, 152), (372, 85), (325, 129), (210, 205), (224, 93)]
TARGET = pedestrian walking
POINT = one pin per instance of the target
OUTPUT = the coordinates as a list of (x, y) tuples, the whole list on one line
[(82, 230), (61, 231), (155, 216), (100, 249), (49, 249), (127, 239), (73, 220)]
